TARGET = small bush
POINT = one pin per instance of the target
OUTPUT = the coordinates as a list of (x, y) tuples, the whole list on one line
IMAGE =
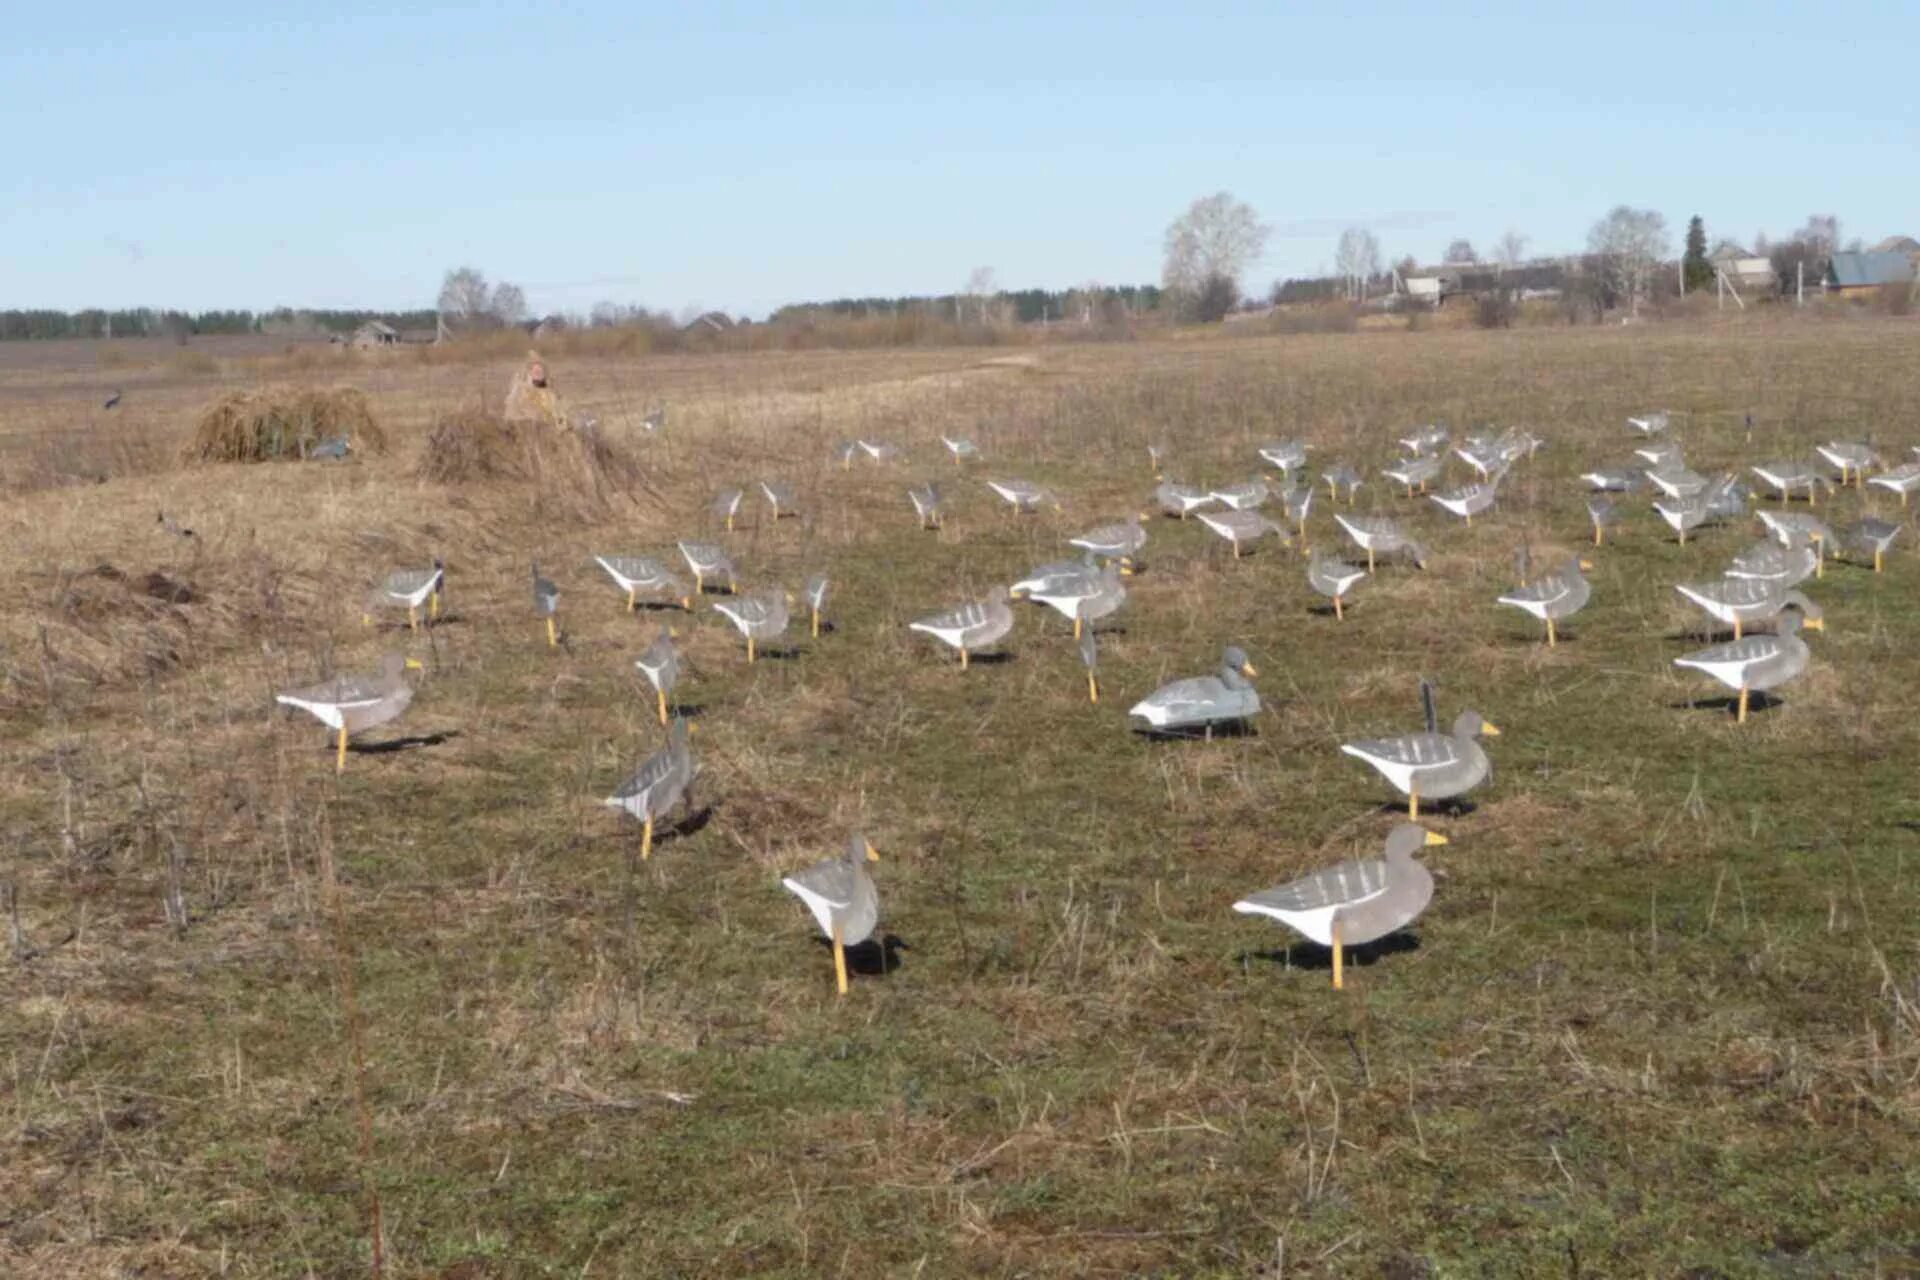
[(1495, 309), (1324, 317), (263, 426), (1895, 299), (577, 469)]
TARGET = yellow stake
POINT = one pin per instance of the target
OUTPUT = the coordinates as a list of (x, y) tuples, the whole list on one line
[(660, 695), (630, 600), (1337, 613), (749, 648), (646, 841), (1339, 979), (963, 659), (1093, 688), (1742, 717), (839, 960), (433, 605), (340, 760), (1552, 640), (816, 623), (1413, 803), (553, 637)]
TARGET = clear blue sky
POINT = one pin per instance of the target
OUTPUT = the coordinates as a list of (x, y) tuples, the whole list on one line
[(202, 154)]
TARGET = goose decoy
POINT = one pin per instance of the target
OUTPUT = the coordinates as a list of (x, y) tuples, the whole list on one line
[(1156, 454), (1741, 602), (349, 704), (1181, 499), (840, 893), (1118, 542), (1783, 566), (1469, 500), (1244, 497), (961, 449), (1297, 502), (1333, 578), (815, 594), (1356, 902), (1604, 513), (1850, 458), (1081, 592), (1380, 535), (726, 505), (661, 782), (1683, 515), (707, 560), (1676, 481), (1413, 473), (660, 664), (1090, 659), (1284, 456), (926, 504), (1482, 456), (1785, 527), (759, 615), (170, 526), (878, 450), (412, 588), (1024, 496), (1434, 765), (332, 449), (1554, 596), (1788, 478), (1757, 662), (1666, 454), (1615, 479), (1343, 482), (1203, 702), (1902, 480), (969, 627), (844, 453), (1725, 498), (654, 419), (637, 574), (780, 499), (546, 604), (1650, 424), (1871, 536), (1425, 441), (1241, 527)]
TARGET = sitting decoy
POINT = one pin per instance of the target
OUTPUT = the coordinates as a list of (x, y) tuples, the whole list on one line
[(1203, 702), (840, 894), (660, 664), (1757, 662), (1469, 500), (815, 594), (1241, 527), (1284, 456), (1333, 578), (1090, 659), (1872, 537), (1244, 497), (349, 704), (1555, 596), (643, 574), (726, 505), (1119, 542), (961, 449), (1434, 765), (1782, 565), (1852, 459), (546, 604), (170, 526), (1786, 527), (1413, 473), (1676, 481), (759, 615), (1615, 479), (1788, 478), (1343, 483), (1297, 502), (1425, 441), (1902, 480), (1741, 602), (926, 504), (332, 449), (1604, 513), (780, 499), (661, 782), (412, 588), (1024, 496), (1356, 902), (968, 627), (1649, 424), (1180, 499), (1380, 535), (707, 560), (878, 450), (844, 453)]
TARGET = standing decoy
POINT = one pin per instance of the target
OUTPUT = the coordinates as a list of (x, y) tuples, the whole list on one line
[(1024, 496), (546, 604), (1244, 497), (1180, 499), (1683, 515), (1786, 527), (660, 664), (1469, 500), (1648, 424), (926, 504), (637, 574), (1081, 592), (1425, 441), (844, 453), (1120, 541), (1203, 702), (660, 783), (1090, 659), (1853, 460), (780, 499), (815, 594), (759, 615), (1604, 513), (1355, 902), (1725, 498), (1788, 478), (1412, 473), (878, 450), (1784, 566), (1665, 454), (349, 704), (840, 893), (1297, 502), (707, 560), (1677, 481), (1333, 578), (332, 449), (1284, 456), (1902, 480), (1380, 535), (1434, 765), (1156, 454), (726, 505), (1872, 536), (1241, 527), (1343, 482), (654, 419), (1482, 456), (1741, 602), (412, 588), (1757, 662), (1615, 479), (968, 627), (961, 449), (1555, 596)]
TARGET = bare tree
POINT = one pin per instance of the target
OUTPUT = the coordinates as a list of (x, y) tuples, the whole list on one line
[(1821, 235), (1357, 259), (1460, 253), (508, 304), (1510, 250), (1628, 244), (1217, 239), (979, 292), (464, 295)]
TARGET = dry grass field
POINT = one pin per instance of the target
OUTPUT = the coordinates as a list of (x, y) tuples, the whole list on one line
[(1662, 1017)]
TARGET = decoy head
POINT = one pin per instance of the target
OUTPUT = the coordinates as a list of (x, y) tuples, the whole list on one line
[(1469, 724), (1586, 565), (1798, 611), (1409, 838), (1419, 553), (860, 849), (1235, 659)]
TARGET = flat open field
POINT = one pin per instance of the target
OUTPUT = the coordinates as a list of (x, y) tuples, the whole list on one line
[(1661, 1018)]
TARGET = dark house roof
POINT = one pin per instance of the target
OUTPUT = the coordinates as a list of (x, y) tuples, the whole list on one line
[(1898, 244), (1866, 270)]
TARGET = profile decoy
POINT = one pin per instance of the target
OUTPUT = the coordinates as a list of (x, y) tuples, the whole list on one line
[(726, 505), (1425, 441), (660, 664), (1119, 542), (1412, 473), (643, 575), (759, 616), (926, 504), (1284, 456), (707, 560), (546, 604), (662, 781), (1380, 535), (1649, 424), (841, 895), (1241, 528), (350, 704), (878, 450), (961, 449), (1789, 478), (1603, 513), (1872, 537), (412, 588), (1333, 578), (1024, 496), (1343, 483), (1902, 480), (970, 627), (780, 499), (1742, 602), (1249, 496), (1554, 597), (1182, 499), (1433, 765), (1850, 458), (1762, 662), (1782, 565), (815, 594), (1469, 500), (1676, 481), (1615, 479)]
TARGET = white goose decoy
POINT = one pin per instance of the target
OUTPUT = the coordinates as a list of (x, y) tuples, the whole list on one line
[(1413, 473), (1741, 602), (726, 505), (1872, 536), (1284, 456), (660, 664), (1241, 527), (969, 627), (1469, 500), (1355, 902), (349, 704), (759, 615), (707, 560), (1615, 479), (1244, 497), (1121, 541), (1603, 513), (637, 574), (1181, 499), (1850, 458), (1650, 424), (1757, 662), (780, 499), (1024, 496), (815, 594), (926, 504), (1425, 441), (1203, 702), (1380, 535), (1554, 596), (1677, 481), (1683, 515), (841, 895), (1902, 480), (661, 782), (1333, 578), (412, 588), (960, 448), (1782, 566), (546, 604), (1435, 765), (1482, 456)]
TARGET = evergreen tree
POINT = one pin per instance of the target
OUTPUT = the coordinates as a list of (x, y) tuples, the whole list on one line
[(1694, 267)]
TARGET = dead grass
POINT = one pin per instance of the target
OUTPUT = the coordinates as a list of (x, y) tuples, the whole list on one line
[(283, 423)]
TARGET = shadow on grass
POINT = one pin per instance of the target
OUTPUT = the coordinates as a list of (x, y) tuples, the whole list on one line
[(874, 958), (410, 743), (1729, 704), (1452, 807), (1311, 955), (1201, 733)]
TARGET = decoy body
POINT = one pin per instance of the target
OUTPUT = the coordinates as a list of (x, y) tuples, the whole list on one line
[(840, 894), (1024, 496), (961, 449), (1249, 496), (780, 499), (968, 627), (1683, 515), (1121, 541), (1240, 527), (1789, 478), (1380, 535), (759, 616), (1665, 454), (1356, 902), (815, 594), (1333, 578), (1343, 482), (348, 704), (1757, 662), (658, 784), (1469, 500), (1872, 537), (1203, 702), (546, 604), (1083, 592), (1850, 458), (1412, 473), (643, 574), (413, 588), (1434, 765), (1615, 479), (1648, 424), (1790, 527), (1782, 566), (1604, 513), (1902, 480), (660, 664), (707, 560), (1425, 441), (1676, 481), (878, 450), (1297, 502), (1181, 499), (1554, 596), (1742, 602), (926, 504), (726, 505), (1284, 456)]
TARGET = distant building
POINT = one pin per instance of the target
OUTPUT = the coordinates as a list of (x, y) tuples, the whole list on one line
[(711, 322), (1899, 244), (1862, 272), (374, 334), (1742, 269)]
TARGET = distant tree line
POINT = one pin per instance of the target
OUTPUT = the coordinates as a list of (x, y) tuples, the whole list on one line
[(151, 322), (1028, 306)]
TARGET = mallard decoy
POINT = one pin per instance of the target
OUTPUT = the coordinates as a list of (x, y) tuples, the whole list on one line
[(1380, 535), (637, 574), (1615, 479), (1650, 424), (815, 594), (1356, 902), (1024, 496), (1850, 458), (1666, 454), (1425, 441), (661, 782), (1757, 662), (1604, 513), (1412, 473), (660, 664), (844, 902), (1783, 566), (1787, 526), (1554, 596), (1203, 702), (1677, 482), (961, 449), (1469, 500), (1788, 478), (1871, 536), (1901, 480), (349, 704), (546, 604), (1180, 499), (726, 505), (759, 615), (1244, 497), (1343, 483), (1741, 602), (1434, 765), (1241, 527), (968, 627), (926, 504), (1284, 456), (412, 588), (707, 560), (780, 499), (1090, 659), (1333, 578), (1297, 502), (1118, 542), (878, 450)]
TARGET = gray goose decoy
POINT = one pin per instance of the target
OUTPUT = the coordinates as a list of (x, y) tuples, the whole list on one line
[(1650, 424), (660, 783), (707, 560), (961, 449), (926, 504), (1469, 500), (1380, 535), (1425, 441), (546, 604), (815, 594), (1343, 482), (1665, 454), (1202, 702), (636, 574), (1676, 481), (1090, 659), (1241, 527), (1902, 480), (1783, 566), (1024, 496), (780, 499), (1615, 479), (968, 627), (332, 449), (412, 588), (878, 450), (1156, 454), (1684, 515), (348, 704), (1871, 536), (1435, 765), (1297, 502), (1482, 455), (1850, 458), (1333, 578), (1741, 602), (844, 453), (840, 894), (1604, 513), (1786, 527), (1081, 592), (726, 505), (1118, 542), (1557, 595), (1181, 499), (1355, 902), (1412, 473), (1249, 496), (1284, 456), (660, 664), (759, 615), (1788, 478), (1757, 662)]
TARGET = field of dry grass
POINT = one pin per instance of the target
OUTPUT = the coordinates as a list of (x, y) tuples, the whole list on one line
[(1659, 1020)]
